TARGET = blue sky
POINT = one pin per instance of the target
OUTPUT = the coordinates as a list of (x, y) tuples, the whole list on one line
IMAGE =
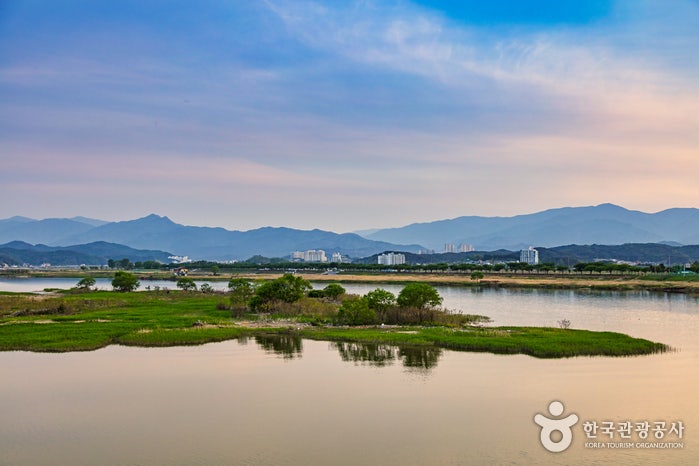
[(345, 115)]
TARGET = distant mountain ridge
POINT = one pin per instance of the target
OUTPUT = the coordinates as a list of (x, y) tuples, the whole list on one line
[(606, 224), (161, 233), (97, 253)]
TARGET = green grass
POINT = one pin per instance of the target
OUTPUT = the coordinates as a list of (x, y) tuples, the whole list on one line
[(539, 342), (88, 321)]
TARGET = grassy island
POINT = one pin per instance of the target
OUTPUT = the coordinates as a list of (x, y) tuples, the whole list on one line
[(88, 320)]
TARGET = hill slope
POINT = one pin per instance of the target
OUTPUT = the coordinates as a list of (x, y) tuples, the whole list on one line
[(161, 233), (97, 253), (602, 224)]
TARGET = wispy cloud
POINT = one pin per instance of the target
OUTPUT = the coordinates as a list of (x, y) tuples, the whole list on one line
[(282, 107)]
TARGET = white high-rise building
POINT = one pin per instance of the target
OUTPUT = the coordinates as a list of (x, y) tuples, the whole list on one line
[(449, 247), (313, 255), (529, 256), (336, 257), (391, 259), (465, 247)]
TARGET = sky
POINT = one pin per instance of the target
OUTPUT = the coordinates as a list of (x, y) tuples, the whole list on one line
[(345, 115)]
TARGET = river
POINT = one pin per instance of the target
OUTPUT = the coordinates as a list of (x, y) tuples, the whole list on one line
[(290, 401)]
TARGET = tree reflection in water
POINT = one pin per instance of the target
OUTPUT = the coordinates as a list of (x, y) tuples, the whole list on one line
[(420, 358), (378, 355), (371, 353), (286, 346)]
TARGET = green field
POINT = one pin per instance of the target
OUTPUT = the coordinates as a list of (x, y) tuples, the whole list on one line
[(88, 321)]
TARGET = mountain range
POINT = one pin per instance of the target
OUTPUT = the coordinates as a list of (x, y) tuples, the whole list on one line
[(161, 233), (97, 253), (605, 224)]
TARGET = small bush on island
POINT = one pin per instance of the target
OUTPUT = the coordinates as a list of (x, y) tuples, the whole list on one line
[(186, 284), (333, 291), (355, 311), (125, 281), (286, 289), (241, 290), (86, 284)]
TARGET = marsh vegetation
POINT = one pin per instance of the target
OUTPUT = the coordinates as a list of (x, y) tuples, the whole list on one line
[(82, 319)]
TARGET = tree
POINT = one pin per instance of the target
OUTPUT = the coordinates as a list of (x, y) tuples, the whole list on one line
[(206, 288), (288, 288), (125, 264), (241, 290), (419, 295), (111, 263), (186, 284), (380, 301), (477, 276), (215, 270), (86, 283), (355, 311), (333, 291), (124, 281)]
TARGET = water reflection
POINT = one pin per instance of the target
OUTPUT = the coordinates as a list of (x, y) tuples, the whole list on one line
[(373, 354), (419, 357), (286, 346), (378, 355)]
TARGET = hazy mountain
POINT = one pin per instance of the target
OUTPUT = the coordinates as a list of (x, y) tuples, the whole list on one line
[(650, 253), (97, 253), (90, 221), (155, 232), (46, 231), (602, 224)]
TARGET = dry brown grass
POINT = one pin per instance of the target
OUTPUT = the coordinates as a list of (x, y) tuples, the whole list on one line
[(503, 280)]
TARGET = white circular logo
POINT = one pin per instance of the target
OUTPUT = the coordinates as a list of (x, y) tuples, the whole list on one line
[(549, 426)]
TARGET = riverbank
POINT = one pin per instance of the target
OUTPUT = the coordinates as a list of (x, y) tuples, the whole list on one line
[(572, 281), (88, 321), (542, 281)]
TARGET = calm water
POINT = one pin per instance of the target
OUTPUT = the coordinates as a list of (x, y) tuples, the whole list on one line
[(290, 401)]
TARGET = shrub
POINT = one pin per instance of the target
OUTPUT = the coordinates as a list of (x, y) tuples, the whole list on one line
[(355, 311), (419, 295), (125, 281), (86, 283), (333, 291), (287, 289), (381, 301), (186, 284)]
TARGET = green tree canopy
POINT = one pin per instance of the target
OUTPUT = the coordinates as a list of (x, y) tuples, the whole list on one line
[(186, 284), (124, 281), (86, 283), (380, 301), (288, 288), (242, 290), (355, 311), (419, 295), (333, 290)]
